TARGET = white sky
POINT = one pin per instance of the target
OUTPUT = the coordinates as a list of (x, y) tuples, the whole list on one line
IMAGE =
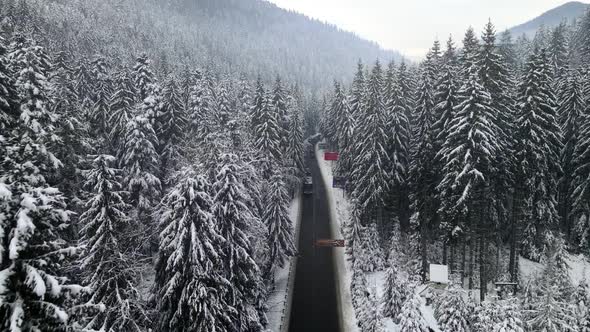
[(410, 26)]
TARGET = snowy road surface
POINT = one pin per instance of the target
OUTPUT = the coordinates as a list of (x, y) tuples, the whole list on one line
[(314, 306)]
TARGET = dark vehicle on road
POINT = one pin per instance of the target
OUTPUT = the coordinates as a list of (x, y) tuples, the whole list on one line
[(307, 186)]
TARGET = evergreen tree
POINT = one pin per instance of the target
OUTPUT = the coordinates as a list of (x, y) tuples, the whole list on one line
[(121, 110), (397, 292), (558, 52), (537, 154), (470, 52), (371, 160), (200, 110), (172, 133), (423, 175), (107, 269), (279, 108), (295, 148), (33, 215), (453, 312), (280, 227), (190, 287), (369, 315), (266, 130), (411, 319), (140, 163), (398, 129), (345, 124), (8, 95), (233, 216), (571, 111), (143, 77), (581, 301)]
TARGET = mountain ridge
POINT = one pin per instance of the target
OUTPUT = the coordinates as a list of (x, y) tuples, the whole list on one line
[(566, 12)]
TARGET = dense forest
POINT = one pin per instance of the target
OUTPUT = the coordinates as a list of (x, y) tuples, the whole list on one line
[(226, 36), (109, 165), (472, 159)]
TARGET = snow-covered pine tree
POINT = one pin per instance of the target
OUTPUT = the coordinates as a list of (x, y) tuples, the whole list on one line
[(581, 300), (223, 112), (371, 180), (368, 254), (143, 77), (468, 56), (280, 227), (549, 314), (499, 316), (558, 52), (356, 103), (580, 192), (201, 104), (406, 83), (266, 131), (369, 316), (33, 215), (397, 291), (83, 83), (140, 163), (8, 96), (468, 155), (454, 311), (233, 217), (571, 112), (410, 316), (190, 286), (295, 138), (422, 173), (509, 318), (398, 129), (358, 288), (121, 110), (537, 148), (172, 133), (100, 111), (445, 99), (107, 269), (496, 79), (70, 132), (345, 124), (279, 108)]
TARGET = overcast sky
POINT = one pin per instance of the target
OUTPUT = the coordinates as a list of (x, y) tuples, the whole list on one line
[(411, 26)]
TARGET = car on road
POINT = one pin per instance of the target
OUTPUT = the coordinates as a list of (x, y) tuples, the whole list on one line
[(307, 185)]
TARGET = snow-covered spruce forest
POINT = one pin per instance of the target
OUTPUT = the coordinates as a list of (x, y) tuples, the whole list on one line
[(476, 158), (109, 167)]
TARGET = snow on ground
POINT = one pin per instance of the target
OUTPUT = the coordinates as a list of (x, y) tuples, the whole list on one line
[(340, 207), (147, 276), (579, 268), (279, 300), (339, 210)]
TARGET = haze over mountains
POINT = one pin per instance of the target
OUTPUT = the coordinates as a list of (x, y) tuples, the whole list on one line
[(254, 37), (566, 12)]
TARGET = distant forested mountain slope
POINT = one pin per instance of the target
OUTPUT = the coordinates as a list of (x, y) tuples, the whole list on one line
[(566, 12), (250, 36)]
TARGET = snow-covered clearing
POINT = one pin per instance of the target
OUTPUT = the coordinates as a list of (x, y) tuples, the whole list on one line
[(578, 264), (340, 211), (279, 300)]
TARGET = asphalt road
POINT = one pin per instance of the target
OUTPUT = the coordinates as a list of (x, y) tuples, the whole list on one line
[(314, 306)]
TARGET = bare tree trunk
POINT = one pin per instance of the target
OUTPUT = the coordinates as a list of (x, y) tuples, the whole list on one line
[(463, 261), (445, 252), (483, 283), (423, 248), (471, 261)]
